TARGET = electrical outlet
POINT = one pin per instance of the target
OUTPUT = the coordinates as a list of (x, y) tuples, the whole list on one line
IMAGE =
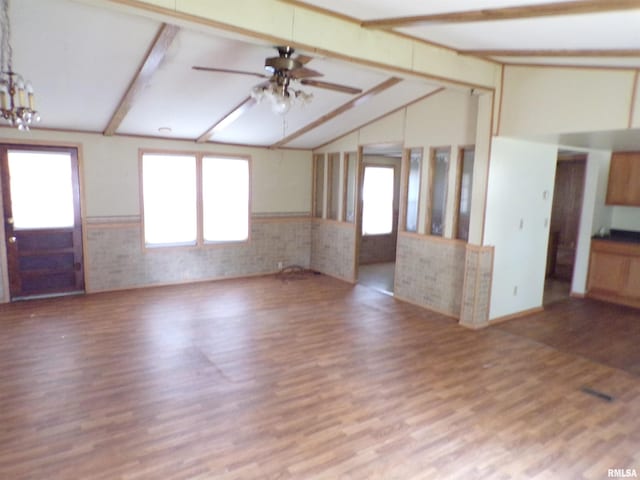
[(515, 290), (279, 265)]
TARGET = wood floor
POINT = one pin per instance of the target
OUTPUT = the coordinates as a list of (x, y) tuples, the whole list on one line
[(307, 379), (603, 332)]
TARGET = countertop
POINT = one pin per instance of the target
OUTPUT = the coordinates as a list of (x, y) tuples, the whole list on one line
[(624, 236)]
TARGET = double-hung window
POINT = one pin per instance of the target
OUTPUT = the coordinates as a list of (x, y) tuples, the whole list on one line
[(194, 199)]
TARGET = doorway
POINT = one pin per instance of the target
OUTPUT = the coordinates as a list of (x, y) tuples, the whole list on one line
[(43, 227), (565, 223), (378, 225)]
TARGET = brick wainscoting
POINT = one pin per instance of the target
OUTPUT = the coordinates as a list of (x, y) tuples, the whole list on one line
[(476, 294), (115, 258), (430, 272), (333, 247)]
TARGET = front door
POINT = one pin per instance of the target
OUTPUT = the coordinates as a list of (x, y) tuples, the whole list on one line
[(43, 228)]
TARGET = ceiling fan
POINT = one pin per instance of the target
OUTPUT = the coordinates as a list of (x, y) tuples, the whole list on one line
[(285, 72)]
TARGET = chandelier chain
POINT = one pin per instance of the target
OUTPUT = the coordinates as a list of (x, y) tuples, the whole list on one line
[(7, 50)]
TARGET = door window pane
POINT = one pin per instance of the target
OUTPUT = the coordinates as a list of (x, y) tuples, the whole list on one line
[(377, 198), (225, 199), (413, 190), (41, 190), (440, 169), (169, 196)]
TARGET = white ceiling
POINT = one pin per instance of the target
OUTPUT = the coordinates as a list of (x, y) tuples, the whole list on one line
[(81, 59), (596, 31)]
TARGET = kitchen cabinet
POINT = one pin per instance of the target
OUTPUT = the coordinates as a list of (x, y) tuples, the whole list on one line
[(624, 179), (614, 272)]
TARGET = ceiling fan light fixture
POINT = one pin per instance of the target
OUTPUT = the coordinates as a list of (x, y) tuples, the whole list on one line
[(281, 104), (281, 97)]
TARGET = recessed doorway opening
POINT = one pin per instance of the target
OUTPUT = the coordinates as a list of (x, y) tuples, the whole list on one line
[(380, 199)]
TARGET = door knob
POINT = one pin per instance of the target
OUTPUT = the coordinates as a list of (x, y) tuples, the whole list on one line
[(12, 239), (10, 220)]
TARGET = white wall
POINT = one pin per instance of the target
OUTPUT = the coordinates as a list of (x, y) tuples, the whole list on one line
[(517, 222), (540, 100), (281, 179), (626, 218), (594, 216)]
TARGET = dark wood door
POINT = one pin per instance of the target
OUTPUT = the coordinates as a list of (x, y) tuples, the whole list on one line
[(43, 228)]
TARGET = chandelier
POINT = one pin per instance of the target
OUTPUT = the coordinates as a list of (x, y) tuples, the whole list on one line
[(16, 94), (280, 92)]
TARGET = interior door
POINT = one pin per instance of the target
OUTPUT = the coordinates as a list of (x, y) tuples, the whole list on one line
[(43, 228)]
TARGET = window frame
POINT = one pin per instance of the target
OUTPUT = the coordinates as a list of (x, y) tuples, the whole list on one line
[(200, 241)]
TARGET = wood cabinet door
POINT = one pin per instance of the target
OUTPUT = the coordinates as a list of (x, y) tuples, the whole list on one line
[(607, 272), (624, 179), (632, 284)]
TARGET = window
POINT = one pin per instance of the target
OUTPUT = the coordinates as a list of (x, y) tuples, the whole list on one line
[(225, 199), (377, 200), (41, 189), (439, 175), (334, 186), (465, 180), (170, 200), (414, 172), (351, 169), (181, 210), (318, 185)]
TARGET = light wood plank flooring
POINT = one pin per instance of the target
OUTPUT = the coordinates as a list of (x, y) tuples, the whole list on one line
[(305, 379)]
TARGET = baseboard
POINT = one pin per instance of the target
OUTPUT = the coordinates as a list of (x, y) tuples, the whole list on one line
[(512, 316), (427, 307)]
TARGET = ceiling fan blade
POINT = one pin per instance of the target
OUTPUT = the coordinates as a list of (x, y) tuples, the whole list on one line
[(330, 86), (304, 72), (304, 59), (226, 70)]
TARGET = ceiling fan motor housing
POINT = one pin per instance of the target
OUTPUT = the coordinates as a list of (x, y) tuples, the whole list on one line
[(283, 63)]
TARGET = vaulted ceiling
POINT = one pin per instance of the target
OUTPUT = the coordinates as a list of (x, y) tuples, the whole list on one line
[(115, 71)]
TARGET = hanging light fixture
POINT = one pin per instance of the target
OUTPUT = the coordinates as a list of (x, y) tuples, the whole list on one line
[(280, 93), (17, 103)]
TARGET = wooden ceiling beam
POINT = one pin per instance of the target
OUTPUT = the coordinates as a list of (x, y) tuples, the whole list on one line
[(228, 119), (359, 100), (148, 68), (554, 53), (508, 13)]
